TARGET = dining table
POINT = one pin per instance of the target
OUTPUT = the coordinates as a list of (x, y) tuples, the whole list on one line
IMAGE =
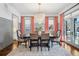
[(51, 38)]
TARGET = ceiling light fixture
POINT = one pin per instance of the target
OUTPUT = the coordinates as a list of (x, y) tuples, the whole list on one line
[(40, 16)]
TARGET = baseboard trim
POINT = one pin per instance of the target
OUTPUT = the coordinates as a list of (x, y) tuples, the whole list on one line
[(6, 50)]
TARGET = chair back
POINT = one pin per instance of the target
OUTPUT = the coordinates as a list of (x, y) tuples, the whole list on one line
[(43, 32), (36, 32), (45, 36), (18, 33), (34, 35)]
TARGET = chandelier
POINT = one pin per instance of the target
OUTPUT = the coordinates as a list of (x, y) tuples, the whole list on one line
[(40, 15)]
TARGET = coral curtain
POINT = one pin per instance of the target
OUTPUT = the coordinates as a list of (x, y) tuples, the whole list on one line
[(46, 23), (32, 23), (22, 24), (55, 24), (61, 28)]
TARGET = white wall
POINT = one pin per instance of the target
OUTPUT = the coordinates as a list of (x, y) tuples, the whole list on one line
[(15, 18), (6, 12), (13, 11), (15, 26)]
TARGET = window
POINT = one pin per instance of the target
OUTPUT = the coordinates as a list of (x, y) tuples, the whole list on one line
[(68, 29), (51, 25), (27, 25), (71, 24), (72, 30), (76, 28)]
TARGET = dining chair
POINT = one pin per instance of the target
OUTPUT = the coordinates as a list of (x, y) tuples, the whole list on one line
[(21, 38), (44, 42), (34, 41), (55, 38)]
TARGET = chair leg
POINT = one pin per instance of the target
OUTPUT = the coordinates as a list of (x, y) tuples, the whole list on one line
[(25, 44), (30, 45), (51, 43), (41, 48), (59, 43), (30, 49), (48, 48), (37, 48), (18, 43)]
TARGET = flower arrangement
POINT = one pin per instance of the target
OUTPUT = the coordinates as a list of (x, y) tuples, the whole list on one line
[(39, 27)]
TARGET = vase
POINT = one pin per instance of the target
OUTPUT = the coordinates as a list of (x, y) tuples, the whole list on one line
[(39, 33)]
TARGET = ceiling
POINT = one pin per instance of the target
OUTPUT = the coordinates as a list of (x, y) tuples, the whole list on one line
[(33, 8)]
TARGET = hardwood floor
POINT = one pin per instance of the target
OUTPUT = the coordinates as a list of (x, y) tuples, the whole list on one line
[(14, 45), (72, 49), (9, 48)]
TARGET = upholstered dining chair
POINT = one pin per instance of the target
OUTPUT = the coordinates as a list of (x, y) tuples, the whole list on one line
[(21, 38), (34, 41), (44, 42), (55, 39)]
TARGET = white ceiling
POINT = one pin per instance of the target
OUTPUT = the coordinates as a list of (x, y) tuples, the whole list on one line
[(33, 8)]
